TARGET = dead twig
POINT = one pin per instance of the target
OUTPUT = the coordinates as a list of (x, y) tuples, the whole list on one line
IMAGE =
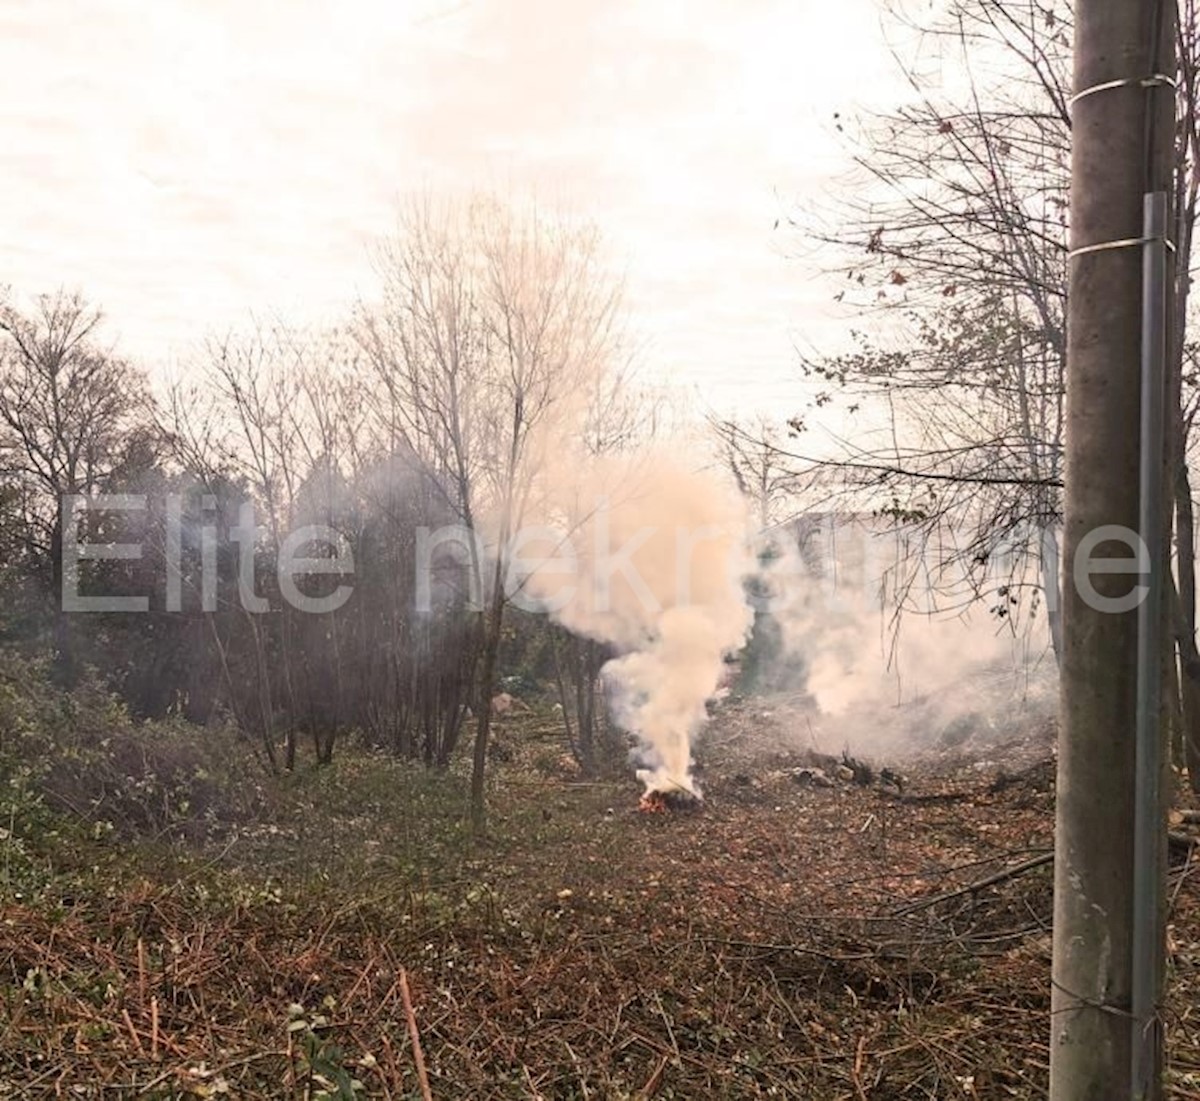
[(662, 1012), (654, 1081), (856, 1071), (415, 1036), (137, 1041), (991, 881), (141, 966)]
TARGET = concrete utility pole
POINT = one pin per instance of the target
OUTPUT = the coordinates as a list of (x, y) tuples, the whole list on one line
[(1122, 134)]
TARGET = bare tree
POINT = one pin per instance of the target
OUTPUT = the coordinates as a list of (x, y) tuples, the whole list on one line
[(954, 238), (257, 380), (72, 414), (493, 321), (755, 454), (1184, 392)]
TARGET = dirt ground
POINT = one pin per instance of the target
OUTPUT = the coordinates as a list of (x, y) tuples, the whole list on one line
[(812, 930)]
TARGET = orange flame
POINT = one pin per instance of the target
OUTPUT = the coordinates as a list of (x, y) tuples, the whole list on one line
[(653, 803)]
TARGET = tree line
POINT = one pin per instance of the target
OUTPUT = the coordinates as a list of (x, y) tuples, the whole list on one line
[(495, 332)]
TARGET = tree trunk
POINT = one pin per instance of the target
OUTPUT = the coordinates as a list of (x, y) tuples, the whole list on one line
[(1190, 689), (285, 641), (585, 713), (1189, 659), (1091, 1033), (563, 698), (1052, 590), (1172, 702), (64, 645), (1187, 194), (486, 686), (266, 705)]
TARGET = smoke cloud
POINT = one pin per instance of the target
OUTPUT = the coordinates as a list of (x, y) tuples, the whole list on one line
[(881, 681), (652, 560), (657, 560)]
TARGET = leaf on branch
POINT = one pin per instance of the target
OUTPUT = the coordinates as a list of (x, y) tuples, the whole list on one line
[(945, 126), (875, 241), (897, 279)]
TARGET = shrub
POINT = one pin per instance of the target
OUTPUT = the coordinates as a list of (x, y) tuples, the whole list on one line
[(79, 753)]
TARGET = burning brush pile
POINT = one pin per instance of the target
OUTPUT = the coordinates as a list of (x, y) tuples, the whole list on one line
[(679, 800), (658, 554)]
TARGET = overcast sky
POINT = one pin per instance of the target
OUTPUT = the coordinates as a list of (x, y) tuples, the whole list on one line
[(185, 161)]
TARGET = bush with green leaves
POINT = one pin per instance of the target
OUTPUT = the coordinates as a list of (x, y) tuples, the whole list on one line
[(78, 756)]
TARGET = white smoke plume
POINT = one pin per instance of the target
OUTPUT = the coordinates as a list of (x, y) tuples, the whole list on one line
[(659, 554), (884, 681)]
